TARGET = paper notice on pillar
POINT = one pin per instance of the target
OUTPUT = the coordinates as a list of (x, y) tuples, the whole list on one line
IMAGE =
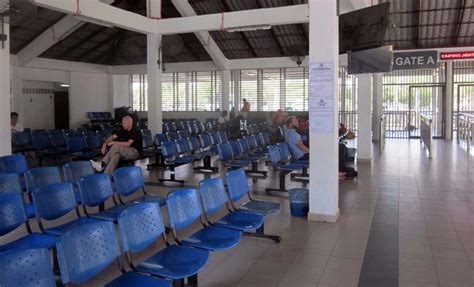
[(321, 100)]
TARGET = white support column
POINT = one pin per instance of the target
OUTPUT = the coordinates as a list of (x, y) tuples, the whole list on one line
[(323, 48), (237, 90), (5, 101), (364, 128), (226, 74), (449, 100), (154, 71), (377, 105)]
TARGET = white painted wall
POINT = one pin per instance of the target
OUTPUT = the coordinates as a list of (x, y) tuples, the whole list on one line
[(37, 99), (87, 93), (120, 90)]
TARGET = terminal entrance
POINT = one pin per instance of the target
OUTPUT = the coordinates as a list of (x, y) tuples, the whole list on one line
[(426, 100)]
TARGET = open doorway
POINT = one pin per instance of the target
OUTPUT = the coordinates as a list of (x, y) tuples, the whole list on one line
[(61, 106)]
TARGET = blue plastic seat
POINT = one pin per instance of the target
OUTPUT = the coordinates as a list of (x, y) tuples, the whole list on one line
[(73, 171), (172, 136), (12, 216), (238, 188), (15, 164), (10, 183), (21, 142), (129, 180), (95, 247), (42, 146), (199, 152), (206, 143), (225, 155), (284, 168), (184, 209), (52, 202), (173, 160), (173, 262), (214, 198), (185, 151), (27, 267), (76, 147), (95, 190)]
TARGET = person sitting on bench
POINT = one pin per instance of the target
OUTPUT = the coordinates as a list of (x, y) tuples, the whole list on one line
[(298, 149), (125, 144)]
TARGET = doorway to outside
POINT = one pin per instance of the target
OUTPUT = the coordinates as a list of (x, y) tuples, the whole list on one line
[(426, 100), (61, 106)]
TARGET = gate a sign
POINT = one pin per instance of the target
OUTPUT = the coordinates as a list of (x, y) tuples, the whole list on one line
[(415, 60)]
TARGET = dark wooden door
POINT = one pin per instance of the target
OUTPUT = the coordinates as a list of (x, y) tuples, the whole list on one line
[(61, 110)]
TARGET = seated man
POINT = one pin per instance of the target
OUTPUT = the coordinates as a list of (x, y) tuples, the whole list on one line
[(298, 149), (126, 144)]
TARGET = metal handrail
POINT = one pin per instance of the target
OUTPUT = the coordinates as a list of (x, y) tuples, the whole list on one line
[(466, 129), (426, 133), (382, 127)]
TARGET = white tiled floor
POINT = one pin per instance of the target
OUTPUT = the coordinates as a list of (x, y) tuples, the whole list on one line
[(435, 227)]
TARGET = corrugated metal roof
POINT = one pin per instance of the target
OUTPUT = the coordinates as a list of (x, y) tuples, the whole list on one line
[(413, 24)]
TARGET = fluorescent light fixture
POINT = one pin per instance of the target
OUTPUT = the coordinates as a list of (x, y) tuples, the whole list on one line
[(249, 28), (64, 85), (94, 21)]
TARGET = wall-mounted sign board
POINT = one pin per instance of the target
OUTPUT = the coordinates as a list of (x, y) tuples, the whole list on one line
[(415, 60)]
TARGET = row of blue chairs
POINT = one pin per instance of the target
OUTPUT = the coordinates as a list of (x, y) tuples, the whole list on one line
[(53, 144), (88, 247), (99, 116)]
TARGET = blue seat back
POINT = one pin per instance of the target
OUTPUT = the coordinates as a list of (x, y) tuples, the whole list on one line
[(168, 149), (10, 183), (183, 146), (284, 151), (216, 139), (75, 144), (73, 171), (14, 164), (40, 140), (193, 143), (86, 250), (235, 149), (160, 138), (57, 139), (146, 132), (20, 139), (54, 200), (183, 208), (128, 180), (251, 142), (213, 195), (275, 154), (136, 237), (223, 136), (40, 176), (147, 141), (93, 141), (258, 140), (183, 134), (244, 145), (225, 151), (237, 185), (12, 212), (172, 136), (95, 189), (173, 127), (166, 127), (27, 267), (265, 138), (205, 140)]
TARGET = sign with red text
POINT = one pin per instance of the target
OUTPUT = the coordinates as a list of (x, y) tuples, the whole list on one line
[(457, 55)]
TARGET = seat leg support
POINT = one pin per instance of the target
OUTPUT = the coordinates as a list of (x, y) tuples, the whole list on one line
[(303, 175), (159, 162), (178, 283), (207, 167), (255, 170), (260, 233), (193, 281), (282, 187), (172, 177)]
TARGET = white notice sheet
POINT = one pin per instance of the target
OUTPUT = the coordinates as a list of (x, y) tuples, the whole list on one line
[(321, 101)]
